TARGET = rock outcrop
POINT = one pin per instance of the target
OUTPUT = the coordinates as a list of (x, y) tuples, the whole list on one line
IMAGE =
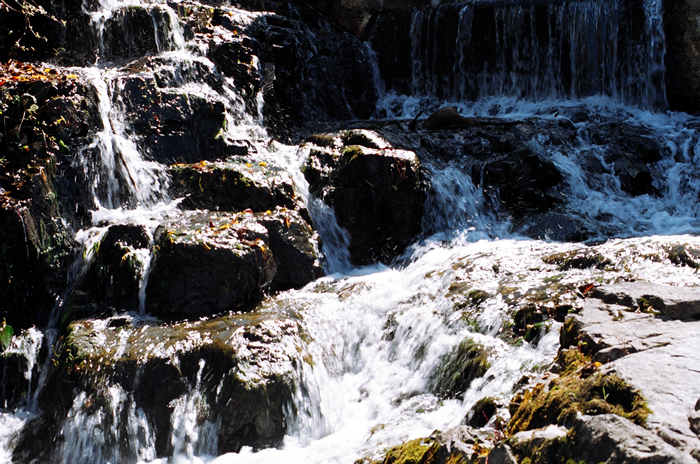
[(235, 373), (376, 191)]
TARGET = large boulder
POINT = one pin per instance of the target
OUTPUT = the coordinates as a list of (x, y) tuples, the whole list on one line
[(207, 263), (377, 192), (233, 186)]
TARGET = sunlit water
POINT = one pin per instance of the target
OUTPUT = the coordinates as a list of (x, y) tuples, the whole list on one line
[(376, 335)]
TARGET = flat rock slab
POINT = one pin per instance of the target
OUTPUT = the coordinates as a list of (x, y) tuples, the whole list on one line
[(657, 355), (673, 302)]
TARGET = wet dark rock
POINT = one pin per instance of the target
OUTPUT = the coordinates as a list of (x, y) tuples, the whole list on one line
[(377, 195), (208, 263), (173, 127), (632, 151), (233, 186), (311, 75), (240, 369), (111, 283), (553, 225), (482, 412), (293, 243), (521, 182), (42, 194), (682, 59)]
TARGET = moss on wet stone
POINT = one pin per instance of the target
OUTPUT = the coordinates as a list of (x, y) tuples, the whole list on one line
[(580, 389)]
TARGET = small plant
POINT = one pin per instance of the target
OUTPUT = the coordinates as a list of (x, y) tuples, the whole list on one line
[(6, 333)]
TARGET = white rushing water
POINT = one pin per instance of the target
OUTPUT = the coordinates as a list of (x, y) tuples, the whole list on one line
[(377, 335)]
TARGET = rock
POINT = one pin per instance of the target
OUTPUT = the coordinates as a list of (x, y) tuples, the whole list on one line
[(233, 186), (646, 351), (456, 371), (673, 302), (208, 263), (113, 279), (502, 454), (447, 117), (310, 76), (682, 58), (236, 371), (614, 439), (295, 250), (43, 195), (482, 412), (521, 181), (377, 196)]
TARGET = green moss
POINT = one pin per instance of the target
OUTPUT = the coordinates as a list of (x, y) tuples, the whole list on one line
[(354, 137), (682, 255), (322, 140), (580, 388), (457, 369), (353, 151), (421, 451), (577, 259)]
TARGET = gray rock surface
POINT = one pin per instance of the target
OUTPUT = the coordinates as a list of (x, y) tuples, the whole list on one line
[(658, 356), (673, 302)]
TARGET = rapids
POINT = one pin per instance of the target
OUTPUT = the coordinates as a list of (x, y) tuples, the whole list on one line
[(377, 336)]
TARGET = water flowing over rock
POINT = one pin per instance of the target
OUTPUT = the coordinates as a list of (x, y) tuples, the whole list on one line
[(233, 232)]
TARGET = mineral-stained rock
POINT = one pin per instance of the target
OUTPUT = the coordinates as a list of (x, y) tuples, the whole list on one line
[(236, 372), (377, 194)]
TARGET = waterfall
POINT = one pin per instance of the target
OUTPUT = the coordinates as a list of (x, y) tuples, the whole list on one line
[(366, 357), (539, 51)]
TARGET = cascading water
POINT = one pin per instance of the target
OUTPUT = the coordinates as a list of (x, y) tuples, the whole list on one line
[(374, 362), (539, 51)]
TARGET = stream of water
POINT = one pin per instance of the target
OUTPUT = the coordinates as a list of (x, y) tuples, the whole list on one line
[(378, 334)]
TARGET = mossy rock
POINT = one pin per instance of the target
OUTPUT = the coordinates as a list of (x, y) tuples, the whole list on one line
[(578, 259), (361, 137), (482, 412), (456, 371), (580, 388), (322, 140), (422, 451), (682, 255)]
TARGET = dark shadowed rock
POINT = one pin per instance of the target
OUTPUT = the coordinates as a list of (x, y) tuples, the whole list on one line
[(208, 263), (233, 186), (235, 371), (447, 118), (377, 194)]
